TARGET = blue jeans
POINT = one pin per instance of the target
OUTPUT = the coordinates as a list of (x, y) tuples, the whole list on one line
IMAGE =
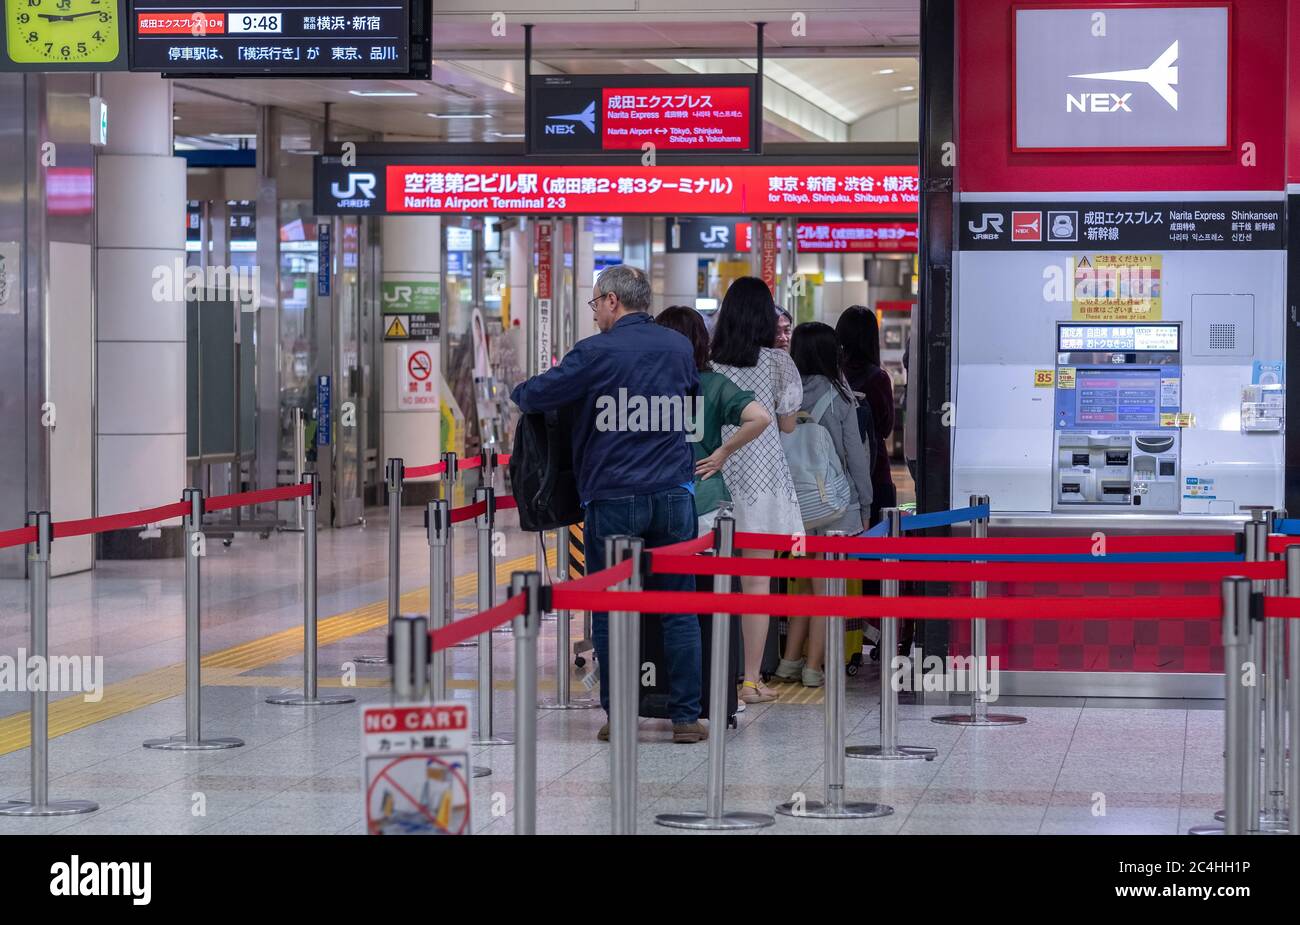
[(659, 518)]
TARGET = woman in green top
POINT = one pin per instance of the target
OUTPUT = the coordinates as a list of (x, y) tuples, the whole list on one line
[(723, 403)]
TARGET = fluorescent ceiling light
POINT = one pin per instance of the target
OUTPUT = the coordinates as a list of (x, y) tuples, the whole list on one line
[(506, 134), (383, 93), (906, 89), (886, 70), (458, 115)]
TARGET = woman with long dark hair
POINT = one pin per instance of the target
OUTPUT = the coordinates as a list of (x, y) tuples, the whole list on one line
[(859, 336), (723, 404), (828, 402), (762, 492)]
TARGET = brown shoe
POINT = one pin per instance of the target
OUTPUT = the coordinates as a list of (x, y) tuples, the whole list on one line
[(603, 735), (689, 733)]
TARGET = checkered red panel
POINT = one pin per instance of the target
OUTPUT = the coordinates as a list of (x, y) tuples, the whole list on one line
[(1099, 645)]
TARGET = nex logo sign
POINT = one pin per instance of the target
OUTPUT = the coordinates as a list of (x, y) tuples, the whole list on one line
[(1097, 102), (1161, 75)]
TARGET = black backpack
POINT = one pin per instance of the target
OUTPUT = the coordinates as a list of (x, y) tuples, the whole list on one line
[(541, 473)]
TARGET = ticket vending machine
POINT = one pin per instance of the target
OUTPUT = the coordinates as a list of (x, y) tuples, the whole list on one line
[(1118, 391)]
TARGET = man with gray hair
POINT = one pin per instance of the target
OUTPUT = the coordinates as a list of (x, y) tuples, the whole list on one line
[(634, 479)]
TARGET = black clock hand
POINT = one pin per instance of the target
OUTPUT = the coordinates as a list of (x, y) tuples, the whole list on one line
[(55, 17)]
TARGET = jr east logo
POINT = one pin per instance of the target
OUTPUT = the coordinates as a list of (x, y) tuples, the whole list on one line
[(358, 192)]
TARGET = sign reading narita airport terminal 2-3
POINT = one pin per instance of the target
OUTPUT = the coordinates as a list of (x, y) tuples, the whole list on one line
[(288, 37), (605, 189), (63, 35), (1192, 225), (1126, 78)]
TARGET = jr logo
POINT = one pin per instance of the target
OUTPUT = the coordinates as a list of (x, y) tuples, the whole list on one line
[(990, 224), (399, 295), (717, 235), (363, 183)]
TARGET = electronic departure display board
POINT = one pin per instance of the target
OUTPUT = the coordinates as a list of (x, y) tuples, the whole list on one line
[(607, 113), (293, 38)]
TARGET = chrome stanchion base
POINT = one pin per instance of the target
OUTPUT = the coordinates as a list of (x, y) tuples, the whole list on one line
[(1205, 830), (571, 705), (495, 740), (990, 719), (299, 700), (1268, 822), (898, 753), (57, 808), (816, 809), (701, 821), (477, 772), (370, 660), (181, 744)]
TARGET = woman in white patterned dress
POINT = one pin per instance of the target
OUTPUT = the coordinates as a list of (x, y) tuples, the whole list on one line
[(757, 475)]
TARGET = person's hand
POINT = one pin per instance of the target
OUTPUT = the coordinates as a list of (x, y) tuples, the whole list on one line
[(710, 464)]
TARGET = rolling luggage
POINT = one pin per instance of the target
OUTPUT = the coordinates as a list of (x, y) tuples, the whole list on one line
[(654, 698)]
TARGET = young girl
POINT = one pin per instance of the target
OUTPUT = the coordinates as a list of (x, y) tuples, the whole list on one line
[(816, 352)]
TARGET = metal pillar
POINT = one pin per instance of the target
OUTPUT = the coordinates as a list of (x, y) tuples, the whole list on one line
[(624, 690), (564, 699), (834, 806), (889, 749), (526, 629), (193, 739), (394, 473), (979, 669), (487, 582), (721, 681), (39, 600)]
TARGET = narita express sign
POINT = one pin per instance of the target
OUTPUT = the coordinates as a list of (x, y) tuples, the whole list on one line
[(633, 189)]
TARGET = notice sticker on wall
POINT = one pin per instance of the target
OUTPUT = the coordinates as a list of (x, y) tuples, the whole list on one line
[(1044, 378), (1117, 287), (1199, 488)]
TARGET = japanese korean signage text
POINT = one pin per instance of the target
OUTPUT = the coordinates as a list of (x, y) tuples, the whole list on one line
[(413, 304), (621, 190), (1147, 77), (767, 254), (591, 114), (545, 270), (291, 36), (1191, 225), (416, 378), (706, 235), (417, 770)]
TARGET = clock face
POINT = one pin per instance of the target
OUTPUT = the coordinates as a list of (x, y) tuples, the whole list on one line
[(62, 31)]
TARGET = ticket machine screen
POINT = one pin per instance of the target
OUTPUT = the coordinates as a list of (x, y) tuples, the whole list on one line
[(1118, 396)]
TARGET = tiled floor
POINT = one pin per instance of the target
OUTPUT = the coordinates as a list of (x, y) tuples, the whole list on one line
[(1078, 766)]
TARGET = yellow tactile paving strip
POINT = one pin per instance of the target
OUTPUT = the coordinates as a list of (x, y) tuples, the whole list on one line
[(225, 667)]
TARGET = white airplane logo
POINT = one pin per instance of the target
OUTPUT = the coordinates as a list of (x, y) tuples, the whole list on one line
[(1160, 76), (587, 117)]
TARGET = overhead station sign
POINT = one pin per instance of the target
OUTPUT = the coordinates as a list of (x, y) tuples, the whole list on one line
[(1123, 79), (257, 38), (630, 189), (720, 234), (597, 114)]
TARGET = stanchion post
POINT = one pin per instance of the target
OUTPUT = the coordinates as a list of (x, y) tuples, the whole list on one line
[(38, 584), (564, 699), (978, 670), (408, 648), (721, 680), (450, 475), (624, 690), (487, 582), (1237, 700), (889, 749), (1293, 691), (438, 528), (194, 547), (1273, 805), (394, 473), (833, 805), (1256, 551), (310, 696), (527, 625)]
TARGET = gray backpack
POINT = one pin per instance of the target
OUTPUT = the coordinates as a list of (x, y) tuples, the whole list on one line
[(819, 480)]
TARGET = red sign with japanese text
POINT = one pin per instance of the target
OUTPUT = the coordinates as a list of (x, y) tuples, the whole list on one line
[(676, 119), (634, 189), (767, 254), (543, 260), (856, 237)]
